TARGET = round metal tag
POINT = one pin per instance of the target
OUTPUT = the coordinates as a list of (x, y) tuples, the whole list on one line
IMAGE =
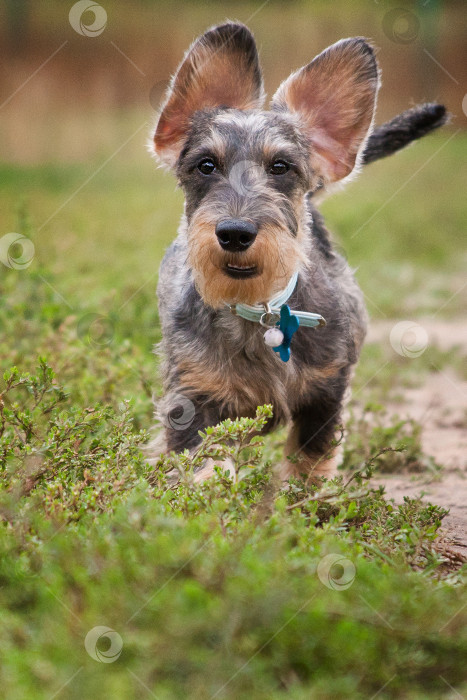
[(269, 319)]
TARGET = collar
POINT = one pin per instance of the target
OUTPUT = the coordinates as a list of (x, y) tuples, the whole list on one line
[(268, 313)]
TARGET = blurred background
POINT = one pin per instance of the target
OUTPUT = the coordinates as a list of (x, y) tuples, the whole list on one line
[(69, 92)]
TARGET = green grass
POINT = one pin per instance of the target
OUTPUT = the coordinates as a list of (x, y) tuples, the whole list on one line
[(221, 590), (233, 576), (409, 247)]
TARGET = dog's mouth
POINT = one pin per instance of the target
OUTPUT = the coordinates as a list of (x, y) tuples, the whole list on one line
[(239, 272)]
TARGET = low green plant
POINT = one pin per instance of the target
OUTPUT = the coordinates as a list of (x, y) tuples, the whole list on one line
[(232, 574), (69, 462), (371, 432)]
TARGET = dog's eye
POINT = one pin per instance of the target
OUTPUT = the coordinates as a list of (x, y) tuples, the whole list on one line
[(279, 167), (206, 166)]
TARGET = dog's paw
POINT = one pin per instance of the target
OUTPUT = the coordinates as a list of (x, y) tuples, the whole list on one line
[(311, 468), (207, 471)]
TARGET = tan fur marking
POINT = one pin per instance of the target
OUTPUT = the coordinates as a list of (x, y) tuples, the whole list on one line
[(223, 385), (313, 467), (275, 252), (195, 378)]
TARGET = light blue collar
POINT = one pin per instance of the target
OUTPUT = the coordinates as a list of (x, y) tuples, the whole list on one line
[(268, 314)]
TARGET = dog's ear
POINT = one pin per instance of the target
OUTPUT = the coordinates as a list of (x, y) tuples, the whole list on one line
[(220, 69), (334, 98)]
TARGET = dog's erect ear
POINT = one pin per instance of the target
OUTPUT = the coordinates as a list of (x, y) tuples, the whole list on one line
[(220, 69), (334, 98)]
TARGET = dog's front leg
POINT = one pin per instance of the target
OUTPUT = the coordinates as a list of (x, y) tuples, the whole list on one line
[(309, 451), (182, 416)]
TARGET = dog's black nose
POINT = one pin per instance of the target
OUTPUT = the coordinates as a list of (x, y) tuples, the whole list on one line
[(235, 235)]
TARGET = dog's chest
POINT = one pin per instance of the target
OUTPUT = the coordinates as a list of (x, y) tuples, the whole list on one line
[(245, 372)]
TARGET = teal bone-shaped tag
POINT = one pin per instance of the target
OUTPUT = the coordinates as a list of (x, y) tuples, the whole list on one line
[(288, 324)]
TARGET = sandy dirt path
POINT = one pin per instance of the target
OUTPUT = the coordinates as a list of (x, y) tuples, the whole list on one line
[(440, 406)]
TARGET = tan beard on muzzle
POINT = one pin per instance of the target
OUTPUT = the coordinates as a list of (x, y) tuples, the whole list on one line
[(275, 253)]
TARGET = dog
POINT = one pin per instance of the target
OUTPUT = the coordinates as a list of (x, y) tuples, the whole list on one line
[(256, 306)]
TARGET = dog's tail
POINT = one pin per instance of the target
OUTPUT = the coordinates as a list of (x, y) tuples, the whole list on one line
[(402, 130)]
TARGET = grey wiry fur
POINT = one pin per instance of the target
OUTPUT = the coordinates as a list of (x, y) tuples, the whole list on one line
[(215, 364), (404, 129)]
